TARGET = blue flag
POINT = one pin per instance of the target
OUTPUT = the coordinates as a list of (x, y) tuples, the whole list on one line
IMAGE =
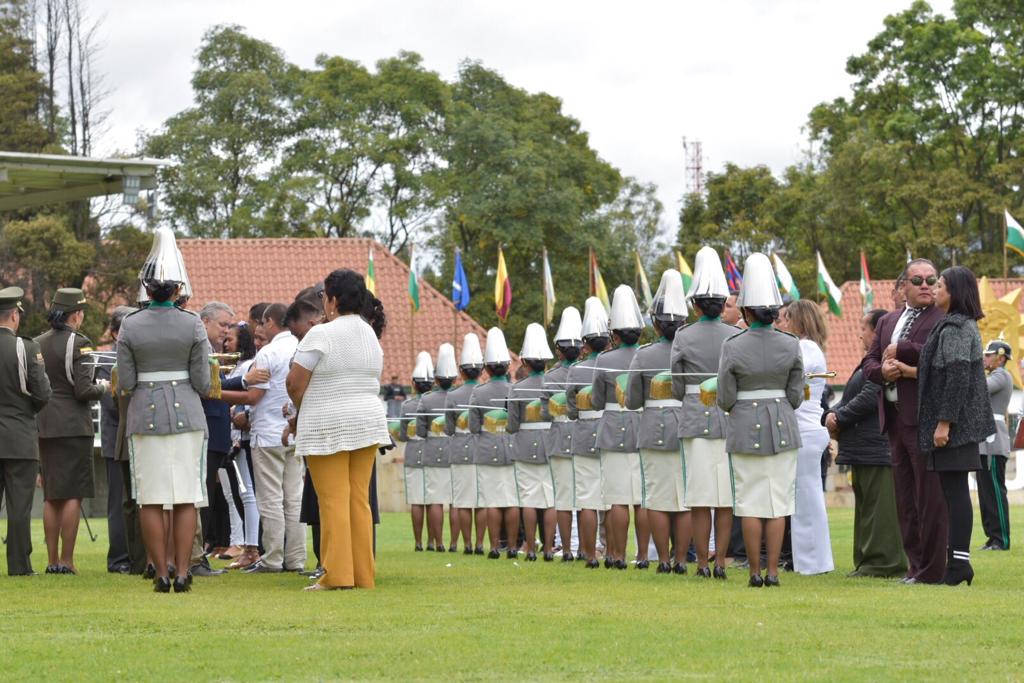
[(460, 285)]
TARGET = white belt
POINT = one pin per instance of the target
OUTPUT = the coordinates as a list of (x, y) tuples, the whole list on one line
[(459, 430), (759, 393), (432, 435), (662, 403), (693, 388), (417, 437), (997, 416), (532, 426), (591, 414), (164, 376), (560, 418)]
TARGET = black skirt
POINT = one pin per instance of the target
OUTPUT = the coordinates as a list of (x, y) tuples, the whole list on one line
[(66, 464), (964, 458)]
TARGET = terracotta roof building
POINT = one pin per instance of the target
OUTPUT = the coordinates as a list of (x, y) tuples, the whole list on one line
[(243, 272)]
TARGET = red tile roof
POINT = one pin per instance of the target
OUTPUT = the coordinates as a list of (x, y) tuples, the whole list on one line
[(243, 272), (844, 351)]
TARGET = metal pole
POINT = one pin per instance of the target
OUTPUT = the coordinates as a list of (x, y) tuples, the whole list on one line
[(88, 527), (1006, 267)]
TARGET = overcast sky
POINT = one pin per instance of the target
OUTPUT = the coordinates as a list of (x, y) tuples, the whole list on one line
[(738, 75)]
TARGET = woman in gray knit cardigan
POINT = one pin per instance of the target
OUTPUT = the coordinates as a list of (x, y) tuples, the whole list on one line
[(954, 410)]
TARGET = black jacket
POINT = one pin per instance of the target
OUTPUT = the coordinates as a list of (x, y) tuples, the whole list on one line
[(861, 441)]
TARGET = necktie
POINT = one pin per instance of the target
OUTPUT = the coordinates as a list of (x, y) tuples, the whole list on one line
[(908, 325)]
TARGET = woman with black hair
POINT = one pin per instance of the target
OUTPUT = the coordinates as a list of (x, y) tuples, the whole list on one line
[(954, 410), (334, 383)]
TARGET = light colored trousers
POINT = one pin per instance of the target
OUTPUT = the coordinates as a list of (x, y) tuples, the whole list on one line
[(279, 475)]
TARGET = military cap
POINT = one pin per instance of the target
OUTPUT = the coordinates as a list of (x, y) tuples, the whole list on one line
[(999, 347), (10, 297), (69, 299)]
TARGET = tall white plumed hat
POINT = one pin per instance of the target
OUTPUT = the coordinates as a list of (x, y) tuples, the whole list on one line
[(570, 327), (595, 319), (708, 276), (446, 366), (164, 264), (535, 344), (759, 288), (497, 349), (670, 300), (471, 354), (424, 370), (626, 313)]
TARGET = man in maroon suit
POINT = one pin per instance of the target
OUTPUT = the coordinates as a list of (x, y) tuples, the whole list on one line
[(892, 362)]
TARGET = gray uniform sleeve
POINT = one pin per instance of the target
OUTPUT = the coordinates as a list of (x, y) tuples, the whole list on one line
[(199, 360), (37, 382), (998, 381), (127, 376), (599, 394), (676, 365), (476, 419), (570, 398), (450, 416), (514, 410), (635, 386), (727, 388), (795, 383)]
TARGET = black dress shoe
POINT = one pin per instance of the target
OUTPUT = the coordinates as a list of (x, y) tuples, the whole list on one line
[(593, 564), (664, 568), (771, 582), (201, 569), (183, 584), (493, 555), (64, 569), (703, 572), (55, 569), (643, 564), (119, 568), (787, 566), (467, 551), (453, 548), (719, 572), (609, 563), (620, 564), (549, 557), (755, 581), (419, 548), (531, 557), (430, 548), (511, 554), (679, 569), (579, 556), (162, 584), (958, 573), (149, 573), (479, 550), (568, 557)]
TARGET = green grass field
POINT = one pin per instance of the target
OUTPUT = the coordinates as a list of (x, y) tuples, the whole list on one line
[(441, 616)]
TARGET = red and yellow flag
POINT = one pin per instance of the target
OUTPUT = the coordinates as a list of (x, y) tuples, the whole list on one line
[(502, 289)]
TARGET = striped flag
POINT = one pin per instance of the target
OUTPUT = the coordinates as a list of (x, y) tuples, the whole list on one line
[(414, 282), (549, 292), (827, 287), (460, 284), (865, 284), (502, 289), (1014, 234), (732, 273), (371, 275), (786, 282), (642, 283), (684, 269), (597, 287)]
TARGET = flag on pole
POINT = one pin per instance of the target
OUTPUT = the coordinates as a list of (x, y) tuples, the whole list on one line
[(865, 284), (502, 289), (643, 284), (549, 292), (732, 273), (597, 287), (371, 275), (460, 284), (909, 257), (827, 287), (414, 282), (1014, 234), (684, 269), (786, 282)]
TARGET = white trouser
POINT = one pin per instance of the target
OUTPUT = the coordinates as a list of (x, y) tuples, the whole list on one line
[(252, 511), (237, 528), (279, 476)]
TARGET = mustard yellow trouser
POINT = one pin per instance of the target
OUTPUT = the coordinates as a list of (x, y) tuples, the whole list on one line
[(342, 482)]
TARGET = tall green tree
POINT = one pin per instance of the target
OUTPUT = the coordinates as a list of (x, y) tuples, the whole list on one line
[(21, 85)]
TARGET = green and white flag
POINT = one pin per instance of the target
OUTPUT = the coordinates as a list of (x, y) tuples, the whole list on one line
[(827, 287), (414, 282), (786, 282), (1014, 234)]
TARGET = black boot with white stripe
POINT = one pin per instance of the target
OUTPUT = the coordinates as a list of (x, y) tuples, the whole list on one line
[(958, 568)]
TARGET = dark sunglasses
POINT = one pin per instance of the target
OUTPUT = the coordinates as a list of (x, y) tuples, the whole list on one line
[(917, 280)]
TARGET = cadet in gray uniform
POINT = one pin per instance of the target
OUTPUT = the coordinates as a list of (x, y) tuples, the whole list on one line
[(65, 427), (696, 350), (495, 474), (568, 344), (760, 383), (650, 388), (995, 517), (422, 380), (528, 423), (24, 391), (460, 448), (430, 425), (584, 418)]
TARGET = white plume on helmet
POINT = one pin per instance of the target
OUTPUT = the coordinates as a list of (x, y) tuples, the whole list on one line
[(535, 344), (471, 353), (670, 300), (626, 313), (446, 367), (424, 370), (164, 264), (570, 327), (759, 288), (595, 319), (708, 276), (497, 349)]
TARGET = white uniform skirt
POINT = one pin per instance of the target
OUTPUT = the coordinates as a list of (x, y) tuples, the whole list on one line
[(664, 487), (564, 481), (464, 486), (496, 486), (764, 485), (707, 475), (415, 486), (437, 485), (169, 469), (587, 476), (622, 479), (536, 489)]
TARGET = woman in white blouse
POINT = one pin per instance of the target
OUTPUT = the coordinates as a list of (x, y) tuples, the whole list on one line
[(334, 383)]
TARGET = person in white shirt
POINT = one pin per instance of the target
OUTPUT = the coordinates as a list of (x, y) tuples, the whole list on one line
[(279, 472)]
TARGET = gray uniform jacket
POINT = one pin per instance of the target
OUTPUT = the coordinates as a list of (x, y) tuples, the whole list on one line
[(435, 448), (69, 411), (761, 359), (413, 448), (659, 425), (698, 348), (489, 448), (528, 445), (619, 427), (24, 390), (584, 431), (163, 339), (1000, 389), (460, 445), (559, 436)]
